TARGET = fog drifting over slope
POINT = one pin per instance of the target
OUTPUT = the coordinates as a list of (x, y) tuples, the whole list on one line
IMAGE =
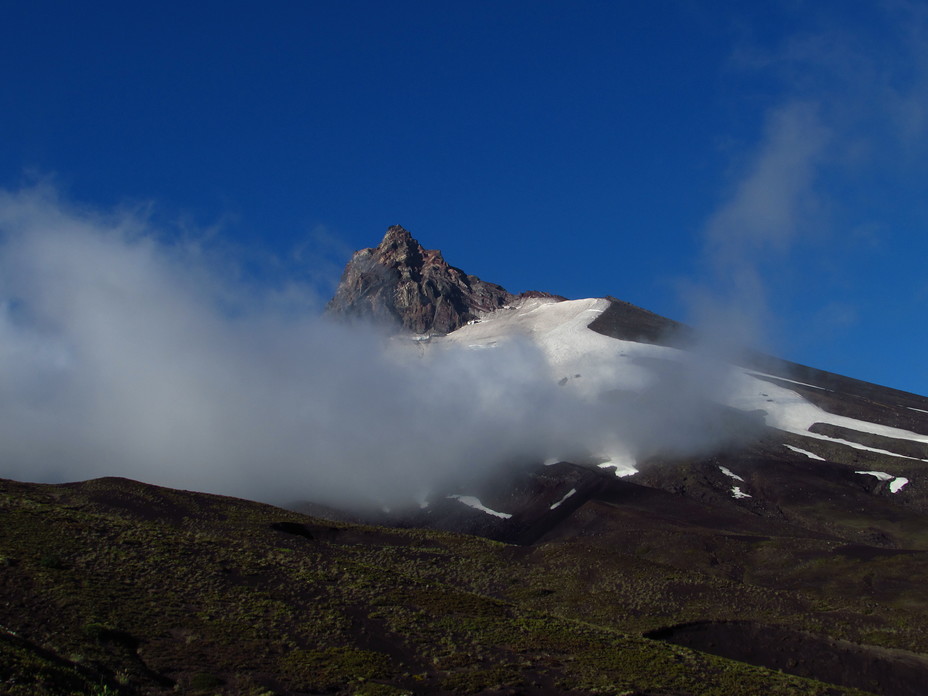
[(124, 355)]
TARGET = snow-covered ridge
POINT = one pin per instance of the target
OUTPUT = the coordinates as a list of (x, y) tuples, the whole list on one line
[(591, 364), (583, 361)]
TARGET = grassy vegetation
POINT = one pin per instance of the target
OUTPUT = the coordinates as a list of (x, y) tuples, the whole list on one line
[(113, 587)]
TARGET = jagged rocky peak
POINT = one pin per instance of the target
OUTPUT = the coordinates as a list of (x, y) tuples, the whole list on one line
[(399, 281)]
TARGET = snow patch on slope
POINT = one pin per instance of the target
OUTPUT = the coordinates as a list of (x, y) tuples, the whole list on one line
[(881, 475), (555, 506), (729, 473), (623, 465), (787, 410), (857, 445), (475, 503), (896, 482), (810, 455), (736, 491)]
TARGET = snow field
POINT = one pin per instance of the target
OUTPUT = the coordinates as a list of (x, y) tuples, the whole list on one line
[(590, 364)]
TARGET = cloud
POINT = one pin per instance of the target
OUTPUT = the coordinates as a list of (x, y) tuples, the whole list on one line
[(773, 201), (843, 123), (124, 353), (127, 355), (774, 197)]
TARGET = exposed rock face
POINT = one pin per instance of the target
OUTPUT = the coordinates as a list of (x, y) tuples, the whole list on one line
[(401, 282)]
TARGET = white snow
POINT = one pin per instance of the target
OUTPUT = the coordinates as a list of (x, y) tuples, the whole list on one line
[(857, 445), (882, 475), (475, 503), (560, 330), (786, 410), (896, 482), (624, 466), (729, 473), (736, 491), (810, 455), (556, 505)]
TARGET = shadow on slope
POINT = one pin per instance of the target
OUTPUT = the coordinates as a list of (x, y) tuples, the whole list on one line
[(878, 670)]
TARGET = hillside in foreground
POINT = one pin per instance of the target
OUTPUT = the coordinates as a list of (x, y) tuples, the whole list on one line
[(112, 586)]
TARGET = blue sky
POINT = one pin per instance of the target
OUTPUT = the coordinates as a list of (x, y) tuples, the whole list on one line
[(761, 166)]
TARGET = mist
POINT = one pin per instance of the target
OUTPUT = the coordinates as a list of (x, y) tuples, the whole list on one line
[(840, 114), (126, 351)]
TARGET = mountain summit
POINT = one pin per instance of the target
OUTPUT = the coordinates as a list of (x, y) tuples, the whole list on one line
[(401, 282)]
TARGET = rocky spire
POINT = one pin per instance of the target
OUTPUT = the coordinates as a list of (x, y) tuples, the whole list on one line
[(401, 282)]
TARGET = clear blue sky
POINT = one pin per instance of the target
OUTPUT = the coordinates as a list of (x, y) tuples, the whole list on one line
[(770, 156)]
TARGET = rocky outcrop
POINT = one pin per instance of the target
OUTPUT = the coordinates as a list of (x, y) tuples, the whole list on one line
[(400, 282)]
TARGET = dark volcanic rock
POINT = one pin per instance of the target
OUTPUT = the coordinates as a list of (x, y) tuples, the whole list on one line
[(627, 322), (400, 282)]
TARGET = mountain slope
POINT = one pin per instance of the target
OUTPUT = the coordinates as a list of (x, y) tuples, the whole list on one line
[(806, 480), (745, 527), (677, 408)]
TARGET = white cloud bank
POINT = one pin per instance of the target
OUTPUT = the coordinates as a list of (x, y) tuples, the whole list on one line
[(122, 354)]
